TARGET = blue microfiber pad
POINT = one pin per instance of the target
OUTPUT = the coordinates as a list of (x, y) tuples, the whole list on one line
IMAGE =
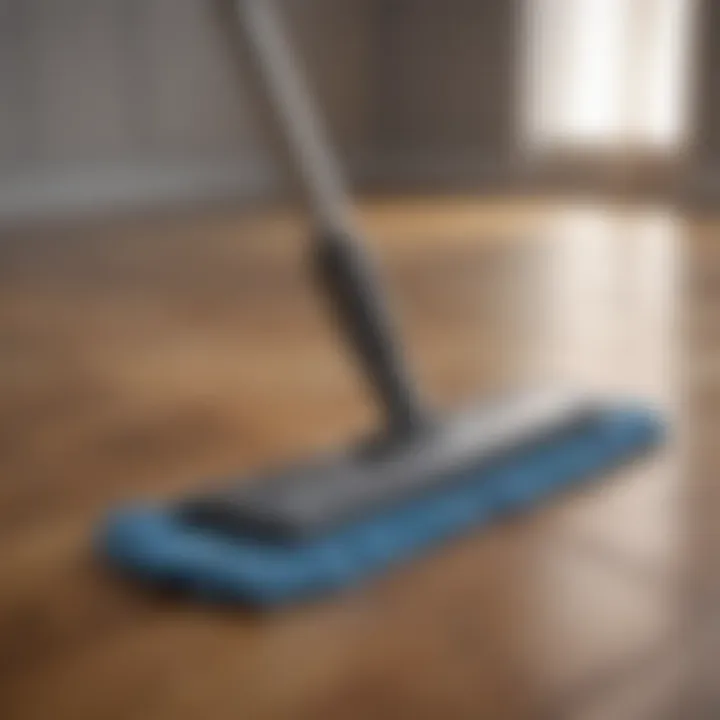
[(154, 545)]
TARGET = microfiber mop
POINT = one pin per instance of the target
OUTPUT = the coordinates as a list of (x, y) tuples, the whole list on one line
[(426, 478)]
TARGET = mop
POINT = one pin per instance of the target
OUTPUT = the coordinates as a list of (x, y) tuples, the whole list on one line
[(423, 479)]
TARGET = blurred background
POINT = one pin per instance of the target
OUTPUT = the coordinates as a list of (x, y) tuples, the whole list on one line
[(539, 180), (109, 105)]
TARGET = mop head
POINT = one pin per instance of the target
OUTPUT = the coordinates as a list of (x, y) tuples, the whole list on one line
[(158, 546)]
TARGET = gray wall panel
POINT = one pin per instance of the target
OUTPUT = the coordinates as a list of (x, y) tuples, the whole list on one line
[(140, 98)]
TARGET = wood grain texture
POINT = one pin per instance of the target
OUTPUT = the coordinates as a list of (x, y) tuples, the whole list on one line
[(142, 357)]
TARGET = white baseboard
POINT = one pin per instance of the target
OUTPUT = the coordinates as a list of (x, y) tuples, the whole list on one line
[(49, 193), (52, 193)]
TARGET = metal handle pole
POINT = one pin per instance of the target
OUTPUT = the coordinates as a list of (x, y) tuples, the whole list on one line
[(344, 266)]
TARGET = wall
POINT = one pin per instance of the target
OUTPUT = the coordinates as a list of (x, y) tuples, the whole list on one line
[(107, 103), (446, 112), (703, 177), (125, 102)]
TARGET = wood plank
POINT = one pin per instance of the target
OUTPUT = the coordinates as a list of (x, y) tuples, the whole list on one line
[(138, 359)]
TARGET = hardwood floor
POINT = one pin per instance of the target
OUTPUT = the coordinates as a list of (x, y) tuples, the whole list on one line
[(140, 358)]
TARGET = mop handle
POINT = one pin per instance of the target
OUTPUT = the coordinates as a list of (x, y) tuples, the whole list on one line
[(345, 269)]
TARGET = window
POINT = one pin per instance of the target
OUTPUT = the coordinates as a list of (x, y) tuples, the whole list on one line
[(607, 74)]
